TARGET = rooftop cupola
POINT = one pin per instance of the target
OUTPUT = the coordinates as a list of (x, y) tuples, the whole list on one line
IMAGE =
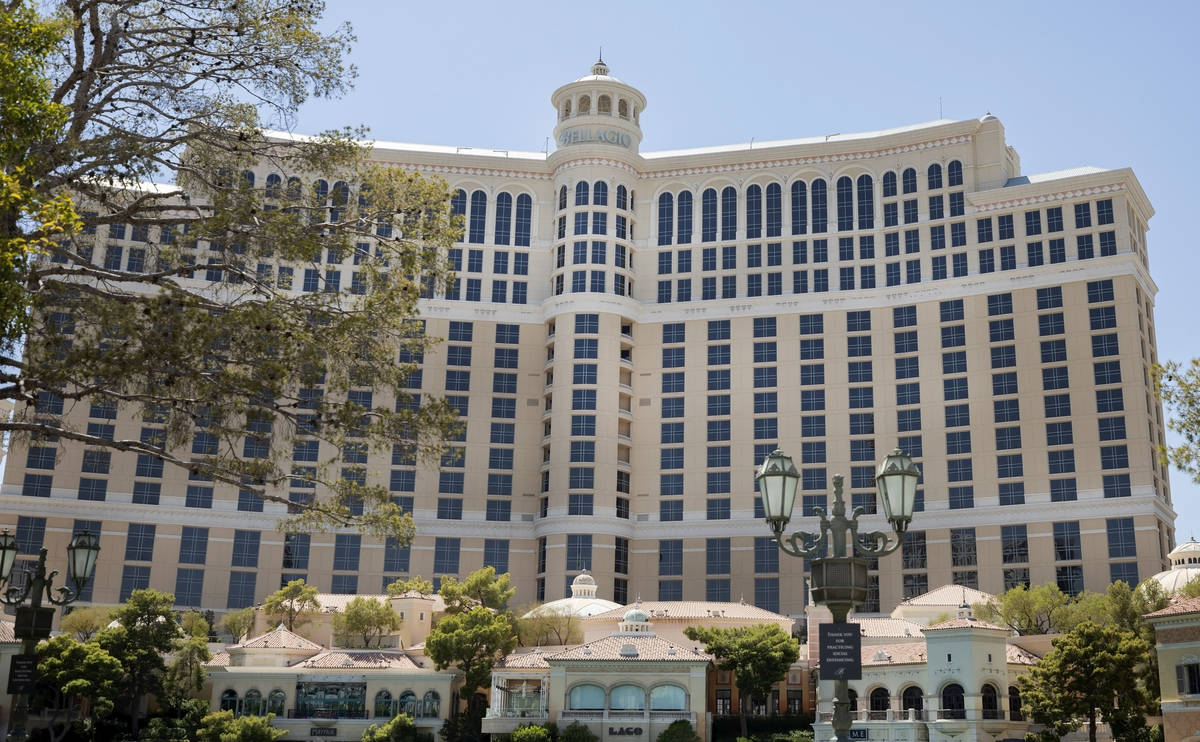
[(600, 111)]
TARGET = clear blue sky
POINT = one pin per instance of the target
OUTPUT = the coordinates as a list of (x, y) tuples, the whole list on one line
[(1098, 83)]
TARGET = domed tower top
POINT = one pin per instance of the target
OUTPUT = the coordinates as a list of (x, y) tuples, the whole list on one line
[(598, 110)]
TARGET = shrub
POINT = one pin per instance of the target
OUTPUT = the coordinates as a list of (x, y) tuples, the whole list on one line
[(530, 733), (577, 732), (679, 731)]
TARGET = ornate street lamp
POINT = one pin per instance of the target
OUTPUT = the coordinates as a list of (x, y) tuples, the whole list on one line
[(840, 554), (33, 621)]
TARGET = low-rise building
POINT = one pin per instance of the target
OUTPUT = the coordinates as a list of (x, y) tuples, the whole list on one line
[(1177, 639)]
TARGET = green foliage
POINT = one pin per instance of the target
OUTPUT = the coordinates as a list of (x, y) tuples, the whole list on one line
[(530, 733), (758, 656), (472, 642), (101, 98), (1040, 610), (223, 726), (416, 584), (292, 604), (1178, 387), (363, 621), (146, 630), (463, 726), (183, 726), (481, 588), (1191, 589), (82, 674), (678, 731), (536, 628), (1087, 678), (185, 674), (84, 622), (238, 623), (576, 732), (399, 729)]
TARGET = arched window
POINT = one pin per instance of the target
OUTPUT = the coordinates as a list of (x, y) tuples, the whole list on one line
[(754, 212), (1014, 704), (252, 703), (600, 193), (845, 204), (566, 111), (889, 185), (562, 198), (667, 698), (458, 203), (383, 703), (274, 186), (729, 213), (866, 202), (248, 178), (431, 704), (586, 697), (774, 210), (503, 218), (912, 698), (478, 216), (954, 173), (953, 703), (276, 702), (908, 181), (666, 218), (990, 701), (934, 176), (524, 220), (581, 193), (229, 700), (341, 197), (623, 108), (627, 698), (604, 104), (585, 105), (708, 215), (622, 197), (880, 703), (799, 207), (820, 207), (407, 703), (683, 217), (852, 696)]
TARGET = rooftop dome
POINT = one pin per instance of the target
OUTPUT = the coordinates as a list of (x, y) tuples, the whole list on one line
[(635, 615), (583, 601), (1185, 567), (583, 579)]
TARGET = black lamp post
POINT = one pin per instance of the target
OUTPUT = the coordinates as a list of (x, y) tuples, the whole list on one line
[(839, 579), (33, 621)]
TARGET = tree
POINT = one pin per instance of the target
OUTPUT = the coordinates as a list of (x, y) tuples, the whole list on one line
[(183, 727), (223, 726), (185, 675), (577, 732), (678, 731), (84, 622), (363, 621), (399, 729), (81, 678), (238, 623), (758, 656), (1039, 610), (292, 604), (230, 364), (416, 584), (537, 627), (1086, 678), (146, 630), (481, 588), (1178, 386), (472, 642)]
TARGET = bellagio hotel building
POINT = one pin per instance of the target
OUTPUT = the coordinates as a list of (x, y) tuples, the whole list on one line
[(630, 334)]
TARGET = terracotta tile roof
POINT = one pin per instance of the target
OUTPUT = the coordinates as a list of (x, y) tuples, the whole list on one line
[(949, 595), (888, 627), (364, 659), (629, 648), (1178, 607), (7, 631), (280, 638), (905, 653), (524, 660), (966, 623), (1015, 655), (691, 609), (218, 659)]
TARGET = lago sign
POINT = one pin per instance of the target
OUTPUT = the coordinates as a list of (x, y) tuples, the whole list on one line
[(589, 135)]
